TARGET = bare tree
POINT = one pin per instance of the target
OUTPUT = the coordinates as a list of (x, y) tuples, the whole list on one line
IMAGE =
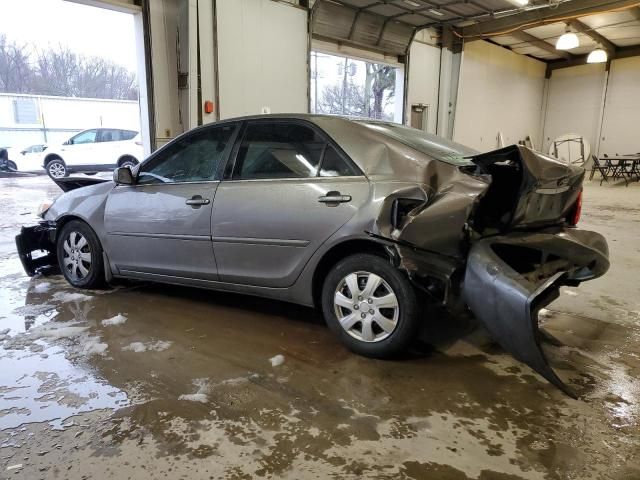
[(16, 75), (369, 100), (62, 72)]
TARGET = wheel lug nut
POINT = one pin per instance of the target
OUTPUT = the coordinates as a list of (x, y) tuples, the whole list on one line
[(369, 300), (356, 307), (359, 298), (363, 315), (371, 311)]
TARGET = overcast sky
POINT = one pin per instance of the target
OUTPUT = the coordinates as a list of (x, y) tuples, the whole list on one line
[(86, 30)]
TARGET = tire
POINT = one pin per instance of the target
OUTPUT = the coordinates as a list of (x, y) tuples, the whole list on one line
[(391, 329), (57, 169), (129, 162), (80, 255)]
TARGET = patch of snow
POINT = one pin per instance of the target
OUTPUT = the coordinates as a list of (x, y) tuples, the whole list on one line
[(194, 397), (117, 320), (277, 360), (139, 347), (42, 287), (545, 313), (71, 297), (571, 293), (61, 331), (201, 394), (93, 346), (33, 310)]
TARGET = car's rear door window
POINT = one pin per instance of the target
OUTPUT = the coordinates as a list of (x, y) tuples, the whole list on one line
[(334, 165), (278, 150), (195, 157)]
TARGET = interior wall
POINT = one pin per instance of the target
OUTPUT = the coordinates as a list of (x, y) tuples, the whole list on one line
[(262, 57), (500, 91), (621, 120), (573, 105), (423, 82)]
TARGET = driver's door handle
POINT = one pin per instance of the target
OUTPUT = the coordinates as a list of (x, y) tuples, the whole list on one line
[(197, 200), (333, 198)]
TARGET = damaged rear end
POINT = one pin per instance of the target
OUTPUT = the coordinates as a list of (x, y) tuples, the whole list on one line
[(524, 246)]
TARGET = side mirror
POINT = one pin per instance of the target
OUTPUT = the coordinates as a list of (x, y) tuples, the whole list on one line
[(123, 176)]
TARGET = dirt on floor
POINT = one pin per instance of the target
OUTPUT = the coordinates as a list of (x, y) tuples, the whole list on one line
[(148, 381)]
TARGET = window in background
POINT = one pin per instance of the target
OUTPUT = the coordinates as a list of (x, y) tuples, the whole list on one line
[(25, 110), (352, 87)]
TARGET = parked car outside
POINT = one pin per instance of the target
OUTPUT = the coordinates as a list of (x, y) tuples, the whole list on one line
[(362, 219), (94, 150), (28, 158)]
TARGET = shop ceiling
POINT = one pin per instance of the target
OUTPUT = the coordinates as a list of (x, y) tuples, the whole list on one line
[(388, 26)]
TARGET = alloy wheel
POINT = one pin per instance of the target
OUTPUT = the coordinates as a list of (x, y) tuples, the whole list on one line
[(77, 256), (366, 306), (57, 170)]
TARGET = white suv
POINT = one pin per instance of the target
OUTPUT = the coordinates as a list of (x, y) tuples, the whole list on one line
[(94, 150)]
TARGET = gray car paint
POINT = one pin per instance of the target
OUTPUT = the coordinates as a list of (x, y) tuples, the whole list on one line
[(267, 243)]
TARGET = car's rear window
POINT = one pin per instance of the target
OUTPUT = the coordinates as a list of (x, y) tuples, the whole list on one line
[(432, 145)]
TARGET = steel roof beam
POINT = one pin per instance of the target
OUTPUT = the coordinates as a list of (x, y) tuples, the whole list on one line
[(591, 33), (541, 44), (531, 18), (622, 52)]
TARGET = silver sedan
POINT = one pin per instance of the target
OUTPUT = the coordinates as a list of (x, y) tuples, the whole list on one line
[(365, 220)]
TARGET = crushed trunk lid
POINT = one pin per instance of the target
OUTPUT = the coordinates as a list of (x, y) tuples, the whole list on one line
[(528, 189)]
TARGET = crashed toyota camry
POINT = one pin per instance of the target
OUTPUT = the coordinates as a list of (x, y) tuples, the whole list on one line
[(359, 218)]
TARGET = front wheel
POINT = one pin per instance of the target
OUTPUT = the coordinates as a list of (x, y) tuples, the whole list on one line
[(370, 305), (57, 169), (80, 255)]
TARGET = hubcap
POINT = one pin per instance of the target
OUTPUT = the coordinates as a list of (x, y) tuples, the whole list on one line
[(77, 256), (57, 170), (366, 306)]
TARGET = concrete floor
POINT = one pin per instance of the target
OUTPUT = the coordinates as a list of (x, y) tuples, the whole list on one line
[(185, 388)]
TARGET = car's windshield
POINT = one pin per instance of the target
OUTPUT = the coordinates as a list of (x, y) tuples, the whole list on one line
[(432, 145)]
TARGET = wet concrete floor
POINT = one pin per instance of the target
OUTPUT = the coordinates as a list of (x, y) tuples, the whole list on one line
[(148, 381)]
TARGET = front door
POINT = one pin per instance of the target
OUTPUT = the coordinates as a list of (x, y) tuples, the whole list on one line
[(290, 190), (161, 225), (79, 150)]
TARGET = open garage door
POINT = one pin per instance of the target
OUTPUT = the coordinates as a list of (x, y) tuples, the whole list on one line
[(386, 28)]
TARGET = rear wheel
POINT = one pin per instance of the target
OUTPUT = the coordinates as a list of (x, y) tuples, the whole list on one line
[(80, 255), (370, 305), (56, 168)]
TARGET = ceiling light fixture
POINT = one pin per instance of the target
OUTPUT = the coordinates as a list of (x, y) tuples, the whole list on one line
[(597, 56), (567, 41), (436, 12), (413, 4), (520, 3)]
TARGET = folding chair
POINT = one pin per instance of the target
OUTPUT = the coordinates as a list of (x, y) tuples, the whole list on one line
[(598, 167)]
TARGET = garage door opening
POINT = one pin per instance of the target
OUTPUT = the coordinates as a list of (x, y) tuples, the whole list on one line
[(355, 87), (59, 76)]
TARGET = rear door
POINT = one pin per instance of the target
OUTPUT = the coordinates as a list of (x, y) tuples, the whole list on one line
[(161, 226), (288, 190)]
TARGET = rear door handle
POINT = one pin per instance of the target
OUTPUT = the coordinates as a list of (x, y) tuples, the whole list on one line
[(197, 200), (334, 198)]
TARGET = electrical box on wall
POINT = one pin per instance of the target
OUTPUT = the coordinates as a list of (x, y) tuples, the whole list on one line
[(265, 110)]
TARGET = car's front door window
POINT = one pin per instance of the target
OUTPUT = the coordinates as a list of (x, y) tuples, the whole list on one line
[(84, 137), (192, 158)]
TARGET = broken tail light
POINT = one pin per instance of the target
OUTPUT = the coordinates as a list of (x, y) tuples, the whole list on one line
[(574, 216)]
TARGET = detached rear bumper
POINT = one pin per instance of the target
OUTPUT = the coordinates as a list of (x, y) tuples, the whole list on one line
[(36, 247), (510, 278)]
